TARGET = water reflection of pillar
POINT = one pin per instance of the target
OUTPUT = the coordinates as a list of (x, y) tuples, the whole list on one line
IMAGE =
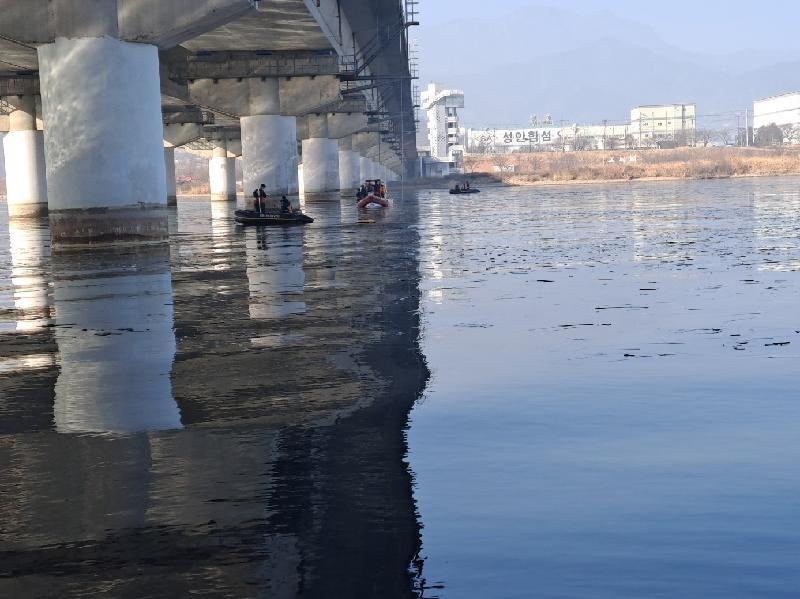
[(114, 330), (275, 271), (223, 227), (173, 229), (438, 222), (27, 368), (325, 249), (228, 465), (29, 241)]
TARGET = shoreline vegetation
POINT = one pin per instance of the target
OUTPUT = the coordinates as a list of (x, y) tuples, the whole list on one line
[(594, 167), (553, 168)]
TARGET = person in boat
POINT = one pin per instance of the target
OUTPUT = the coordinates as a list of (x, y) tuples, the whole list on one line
[(457, 188), (466, 185), (378, 188), (286, 205), (362, 192), (260, 199)]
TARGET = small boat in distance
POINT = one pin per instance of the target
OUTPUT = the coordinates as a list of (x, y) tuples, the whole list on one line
[(459, 191), (271, 218)]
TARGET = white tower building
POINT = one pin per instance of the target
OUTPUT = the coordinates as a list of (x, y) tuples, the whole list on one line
[(443, 126)]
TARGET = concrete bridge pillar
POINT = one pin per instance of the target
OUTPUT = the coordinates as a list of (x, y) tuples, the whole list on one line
[(101, 101), (169, 168), (269, 152), (349, 165), (320, 157), (176, 134), (222, 173), (269, 142), (23, 145), (364, 168), (374, 168)]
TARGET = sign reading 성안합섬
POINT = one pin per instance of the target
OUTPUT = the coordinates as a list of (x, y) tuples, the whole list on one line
[(511, 138)]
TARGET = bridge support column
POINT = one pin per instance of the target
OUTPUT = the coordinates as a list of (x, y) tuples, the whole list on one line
[(101, 100), (269, 152), (320, 158), (169, 168), (176, 135), (364, 167), (23, 146), (349, 166), (222, 174)]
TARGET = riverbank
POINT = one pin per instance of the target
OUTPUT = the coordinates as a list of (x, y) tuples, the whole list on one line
[(630, 165)]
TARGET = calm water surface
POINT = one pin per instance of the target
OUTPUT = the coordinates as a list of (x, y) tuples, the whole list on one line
[(615, 392), (602, 385), (222, 416)]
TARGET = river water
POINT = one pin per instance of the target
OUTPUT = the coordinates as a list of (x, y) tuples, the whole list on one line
[(549, 392)]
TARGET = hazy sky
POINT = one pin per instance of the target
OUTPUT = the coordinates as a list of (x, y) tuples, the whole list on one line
[(699, 25), (562, 53)]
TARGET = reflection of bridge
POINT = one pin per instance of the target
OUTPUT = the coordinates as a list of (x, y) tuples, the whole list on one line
[(112, 83), (261, 383)]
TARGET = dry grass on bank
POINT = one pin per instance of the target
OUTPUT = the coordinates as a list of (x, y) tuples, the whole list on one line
[(681, 163)]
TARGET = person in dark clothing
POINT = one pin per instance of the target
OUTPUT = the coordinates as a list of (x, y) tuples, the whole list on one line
[(286, 205), (260, 199)]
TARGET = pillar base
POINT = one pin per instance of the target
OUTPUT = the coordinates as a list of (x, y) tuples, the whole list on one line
[(172, 200), (27, 210), (103, 226), (223, 197)]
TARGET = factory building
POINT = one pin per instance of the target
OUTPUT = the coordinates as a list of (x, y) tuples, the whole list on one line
[(782, 110), (650, 126), (665, 122)]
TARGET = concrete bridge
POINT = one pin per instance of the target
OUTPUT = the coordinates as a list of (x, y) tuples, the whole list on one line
[(96, 95)]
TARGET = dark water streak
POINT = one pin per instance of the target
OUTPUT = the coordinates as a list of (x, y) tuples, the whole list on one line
[(276, 369)]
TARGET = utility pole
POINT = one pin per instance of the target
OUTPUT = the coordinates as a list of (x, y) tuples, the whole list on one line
[(739, 128), (746, 127)]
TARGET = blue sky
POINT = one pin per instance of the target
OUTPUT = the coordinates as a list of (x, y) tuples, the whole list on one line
[(717, 26)]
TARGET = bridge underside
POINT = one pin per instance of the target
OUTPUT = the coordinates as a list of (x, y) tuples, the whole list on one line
[(92, 74)]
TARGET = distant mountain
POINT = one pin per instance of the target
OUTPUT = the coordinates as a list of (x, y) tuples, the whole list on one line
[(604, 80), (587, 68)]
